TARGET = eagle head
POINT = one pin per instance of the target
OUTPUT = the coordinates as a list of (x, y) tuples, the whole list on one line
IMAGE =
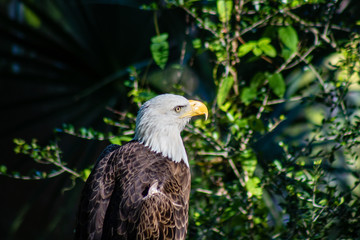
[(160, 121)]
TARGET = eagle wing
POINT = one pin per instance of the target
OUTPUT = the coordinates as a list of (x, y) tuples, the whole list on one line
[(154, 193), (134, 193), (96, 196), (155, 196), (163, 213)]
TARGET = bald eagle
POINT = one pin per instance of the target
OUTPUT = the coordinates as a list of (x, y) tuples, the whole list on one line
[(140, 190)]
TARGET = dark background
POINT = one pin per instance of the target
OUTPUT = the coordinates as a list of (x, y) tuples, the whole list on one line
[(69, 64)]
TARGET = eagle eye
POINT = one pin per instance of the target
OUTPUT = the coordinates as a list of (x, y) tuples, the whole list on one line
[(177, 109)]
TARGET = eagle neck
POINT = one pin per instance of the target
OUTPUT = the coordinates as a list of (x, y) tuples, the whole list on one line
[(166, 141)]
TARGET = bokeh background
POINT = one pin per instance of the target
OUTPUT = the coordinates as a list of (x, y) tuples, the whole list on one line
[(281, 79)]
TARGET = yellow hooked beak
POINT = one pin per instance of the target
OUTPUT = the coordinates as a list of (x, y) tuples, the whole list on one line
[(197, 108)]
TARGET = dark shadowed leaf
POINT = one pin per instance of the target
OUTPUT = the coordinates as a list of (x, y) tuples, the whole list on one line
[(248, 94)]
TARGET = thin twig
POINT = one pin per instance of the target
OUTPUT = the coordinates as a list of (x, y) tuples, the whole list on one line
[(278, 101), (236, 172), (201, 22), (245, 30)]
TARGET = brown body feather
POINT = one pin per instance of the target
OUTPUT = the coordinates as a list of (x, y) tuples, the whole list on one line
[(134, 193)]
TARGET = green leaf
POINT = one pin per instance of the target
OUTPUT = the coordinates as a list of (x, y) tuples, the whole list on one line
[(264, 41), (257, 51), (289, 37), (196, 43), (160, 49), (224, 89), (246, 48), (115, 140), (19, 141), (269, 50), (224, 9), (85, 173), (3, 169), (257, 80), (286, 53), (277, 84), (225, 106), (256, 124), (249, 166), (278, 165), (248, 94), (266, 47), (252, 185), (31, 18)]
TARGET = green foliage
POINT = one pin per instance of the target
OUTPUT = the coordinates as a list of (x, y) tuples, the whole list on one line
[(160, 49), (289, 38), (224, 9), (224, 89), (278, 156), (262, 46), (277, 84), (49, 154)]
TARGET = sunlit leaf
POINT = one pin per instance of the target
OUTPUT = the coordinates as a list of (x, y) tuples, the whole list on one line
[(246, 48), (266, 47), (252, 185), (224, 89), (115, 140), (264, 41), (249, 165), (224, 9), (196, 43), (160, 49), (85, 173), (257, 51)]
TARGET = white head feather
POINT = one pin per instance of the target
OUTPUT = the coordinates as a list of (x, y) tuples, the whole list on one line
[(159, 124)]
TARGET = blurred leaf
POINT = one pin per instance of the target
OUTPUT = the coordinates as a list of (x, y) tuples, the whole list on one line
[(3, 169), (225, 107), (266, 47), (224, 9), (115, 140), (31, 18), (289, 37), (160, 49), (257, 51), (256, 124), (286, 53), (249, 165), (248, 94), (252, 185), (196, 43), (264, 41), (85, 173), (277, 84), (257, 80), (224, 89), (246, 48)]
